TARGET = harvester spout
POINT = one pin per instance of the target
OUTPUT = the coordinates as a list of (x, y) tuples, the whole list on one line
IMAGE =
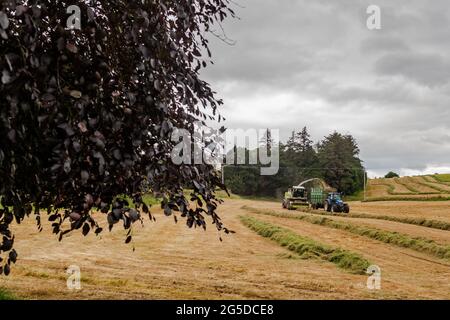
[(311, 180)]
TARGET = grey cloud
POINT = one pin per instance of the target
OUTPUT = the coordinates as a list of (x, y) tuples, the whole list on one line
[(314, 63), (426, 69), (382, 44)]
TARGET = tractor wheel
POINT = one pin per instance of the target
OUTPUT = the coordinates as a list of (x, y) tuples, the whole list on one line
[(335, 209), (283, 204), (327, 207), (346, 208)]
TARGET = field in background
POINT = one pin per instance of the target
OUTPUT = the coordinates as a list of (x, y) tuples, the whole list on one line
[(430, 187), (274, 254), (443, 177)]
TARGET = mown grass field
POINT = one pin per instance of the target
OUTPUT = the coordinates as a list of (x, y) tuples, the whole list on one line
[(442, 177), (274, 254), (6, 295), (429, 188)]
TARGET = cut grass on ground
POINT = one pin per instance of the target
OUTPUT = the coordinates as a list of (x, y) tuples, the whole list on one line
[(412, 198), (5, 295), (359, 196), (308, 248), (402, 240), (434, 187), (421, 188), (408, 184), (434, 224), (442, 177), (391, 189)]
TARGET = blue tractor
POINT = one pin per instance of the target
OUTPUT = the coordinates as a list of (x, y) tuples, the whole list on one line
[(333, 203)]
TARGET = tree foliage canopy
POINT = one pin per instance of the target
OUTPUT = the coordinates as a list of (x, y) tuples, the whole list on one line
[(391, 174), (334, 159), (339, 157), (86, 115)]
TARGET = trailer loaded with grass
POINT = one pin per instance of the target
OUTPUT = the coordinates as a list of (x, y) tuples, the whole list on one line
[(316, 194)]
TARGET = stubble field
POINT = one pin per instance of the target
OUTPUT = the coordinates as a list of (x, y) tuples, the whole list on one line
[(171, 261)]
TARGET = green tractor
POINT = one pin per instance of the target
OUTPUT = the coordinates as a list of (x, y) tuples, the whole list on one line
[(295, 197)]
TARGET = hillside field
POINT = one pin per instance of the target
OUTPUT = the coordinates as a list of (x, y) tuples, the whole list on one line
[(430, 187)]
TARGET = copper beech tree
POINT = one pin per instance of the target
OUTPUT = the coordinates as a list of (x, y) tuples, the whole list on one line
[(86, 114)]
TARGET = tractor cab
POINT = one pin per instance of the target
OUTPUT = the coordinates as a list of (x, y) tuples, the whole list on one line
[(295, 196), (298, 192), (335, 196)]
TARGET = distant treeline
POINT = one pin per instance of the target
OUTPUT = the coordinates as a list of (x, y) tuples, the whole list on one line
[(334, 159)]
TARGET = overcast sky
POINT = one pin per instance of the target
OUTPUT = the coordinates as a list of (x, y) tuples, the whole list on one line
[(315, 63)]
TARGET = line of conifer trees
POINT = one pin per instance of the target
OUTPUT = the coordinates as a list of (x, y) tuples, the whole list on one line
[(334, 159)]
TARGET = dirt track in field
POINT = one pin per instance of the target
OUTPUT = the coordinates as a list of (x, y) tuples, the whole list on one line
[(173, 262)]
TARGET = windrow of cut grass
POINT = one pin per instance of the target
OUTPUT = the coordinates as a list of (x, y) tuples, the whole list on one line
[(409, 186), (430, 179), (6, 295), (441, 188), (401, 240), (391, 187), (434, 224), (408, 198), (424, 186), (308, 248), (414, 187), (428, 223)]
